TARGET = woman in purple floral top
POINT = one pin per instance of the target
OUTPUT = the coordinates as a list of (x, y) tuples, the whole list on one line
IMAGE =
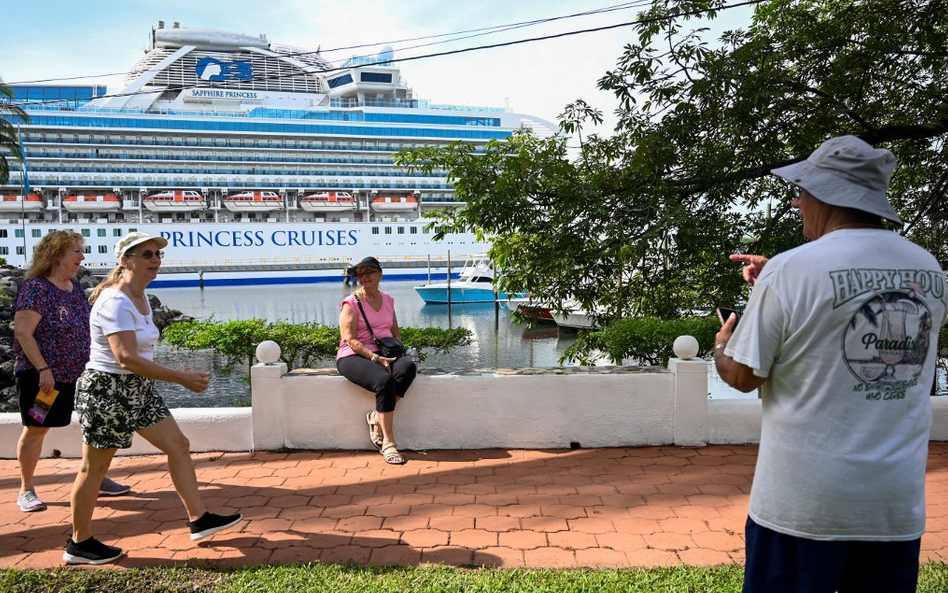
[(51, 348)]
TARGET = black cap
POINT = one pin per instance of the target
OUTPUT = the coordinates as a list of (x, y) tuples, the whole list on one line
[(367, 262)]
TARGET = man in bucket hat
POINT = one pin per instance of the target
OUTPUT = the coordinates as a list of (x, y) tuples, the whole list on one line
[(841, 336)]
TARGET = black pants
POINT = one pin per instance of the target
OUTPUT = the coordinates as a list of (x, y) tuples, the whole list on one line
[(372, 376)]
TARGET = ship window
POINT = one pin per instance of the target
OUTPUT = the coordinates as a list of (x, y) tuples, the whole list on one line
[(19, 250), (388, 230), (340, 80), (100, 232), (36, 233), (426, 230), (3, 233), (376, 77), (103, 249), (4, 251), (87, 249), (375, 230), (414, 230), (18, 233), (86, 232), (116, 232), (401, 230)]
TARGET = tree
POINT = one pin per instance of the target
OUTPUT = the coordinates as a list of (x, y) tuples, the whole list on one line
[(9, 142), (641, 222)]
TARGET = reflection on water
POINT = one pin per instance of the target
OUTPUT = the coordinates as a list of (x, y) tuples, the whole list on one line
[(497, 341)]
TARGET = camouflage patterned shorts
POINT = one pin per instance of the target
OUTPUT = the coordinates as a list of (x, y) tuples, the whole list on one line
[(112, 407)]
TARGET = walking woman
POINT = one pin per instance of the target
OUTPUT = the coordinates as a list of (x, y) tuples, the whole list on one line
[(116, 397), (358, 359), (50, 348)]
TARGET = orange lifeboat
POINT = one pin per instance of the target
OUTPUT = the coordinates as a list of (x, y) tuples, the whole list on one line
[(178, 200), (253, 201), (394, 204), (328, 201), (92, 203), (16, 203)]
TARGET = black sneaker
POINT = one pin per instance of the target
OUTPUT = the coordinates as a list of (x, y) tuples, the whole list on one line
[(90, 551), (209, 524)]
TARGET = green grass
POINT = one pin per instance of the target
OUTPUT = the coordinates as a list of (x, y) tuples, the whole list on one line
[(359, 579)]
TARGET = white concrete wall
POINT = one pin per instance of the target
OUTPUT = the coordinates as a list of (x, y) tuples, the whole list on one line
[(598, 408), (208, 429), (487, 411)]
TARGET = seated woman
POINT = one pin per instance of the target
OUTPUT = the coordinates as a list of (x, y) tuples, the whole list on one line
[(358, 356)]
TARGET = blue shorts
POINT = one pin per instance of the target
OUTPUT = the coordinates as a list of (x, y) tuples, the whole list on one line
[(778, 563)]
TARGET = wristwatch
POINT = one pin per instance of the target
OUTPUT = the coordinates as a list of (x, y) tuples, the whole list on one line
[(375, 357)]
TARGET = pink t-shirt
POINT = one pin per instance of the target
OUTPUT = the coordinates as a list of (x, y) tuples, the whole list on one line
[(381, 321)]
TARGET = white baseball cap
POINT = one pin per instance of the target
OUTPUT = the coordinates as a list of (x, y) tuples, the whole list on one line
[(132, 239), (846, 171)]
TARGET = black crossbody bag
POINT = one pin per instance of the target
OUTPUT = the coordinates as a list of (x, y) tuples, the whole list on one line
[(388, 347)]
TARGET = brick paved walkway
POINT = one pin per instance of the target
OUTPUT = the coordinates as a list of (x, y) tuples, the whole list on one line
[(512, 508)]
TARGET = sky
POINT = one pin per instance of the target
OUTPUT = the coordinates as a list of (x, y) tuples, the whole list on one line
[(66, 39)]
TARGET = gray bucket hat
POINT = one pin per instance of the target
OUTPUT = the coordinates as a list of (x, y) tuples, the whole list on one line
[(846, 171)]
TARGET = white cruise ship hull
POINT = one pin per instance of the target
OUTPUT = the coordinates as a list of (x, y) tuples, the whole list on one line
[(264, 252)]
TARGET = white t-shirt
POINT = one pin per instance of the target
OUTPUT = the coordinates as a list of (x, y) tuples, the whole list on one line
[(114, 312), (845, 329)]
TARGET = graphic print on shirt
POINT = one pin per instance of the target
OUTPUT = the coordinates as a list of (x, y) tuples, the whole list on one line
[(888, 337)]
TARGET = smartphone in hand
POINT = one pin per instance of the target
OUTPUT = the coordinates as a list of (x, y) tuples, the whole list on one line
[(724, 313)]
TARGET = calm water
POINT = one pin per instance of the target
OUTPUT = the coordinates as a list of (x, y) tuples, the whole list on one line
[(498, 342)]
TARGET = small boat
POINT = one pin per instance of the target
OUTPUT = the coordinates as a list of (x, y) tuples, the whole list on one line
[(178, 200), (394, 204), (253, 201), (474, 285), (532, 309), (576, 319), (542, 312), (92, 203), (328, 201), (16, 203)]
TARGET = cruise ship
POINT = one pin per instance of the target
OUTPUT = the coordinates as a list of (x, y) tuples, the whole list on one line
[(258, 162)]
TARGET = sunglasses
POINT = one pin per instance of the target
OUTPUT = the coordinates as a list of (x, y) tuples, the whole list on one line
[(365, 274), (148, 254)]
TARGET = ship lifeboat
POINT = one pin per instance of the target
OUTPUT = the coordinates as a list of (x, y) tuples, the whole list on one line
[(92, 203), (394, 204), (328, 201), (16, 203), (253, 201), (179, 200)]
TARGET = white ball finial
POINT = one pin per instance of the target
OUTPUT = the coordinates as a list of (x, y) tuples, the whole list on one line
[(268, 352), (685, 347)]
